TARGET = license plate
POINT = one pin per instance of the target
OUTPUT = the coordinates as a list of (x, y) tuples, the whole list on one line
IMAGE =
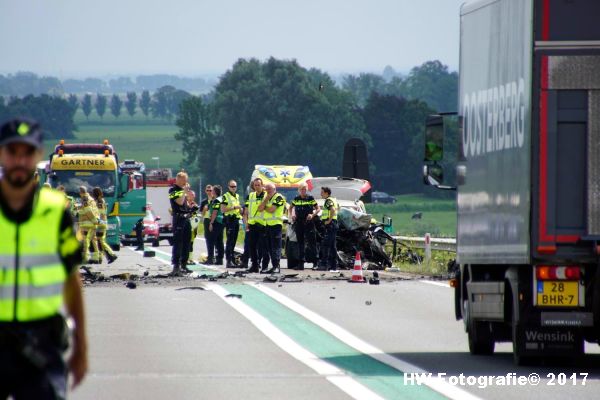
[(558, 293)]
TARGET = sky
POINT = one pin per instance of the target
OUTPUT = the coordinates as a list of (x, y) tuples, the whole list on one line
[(82, 38)]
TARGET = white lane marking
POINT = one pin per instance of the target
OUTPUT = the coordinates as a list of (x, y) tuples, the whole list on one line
[(437, 384), (333, 374), (435, 283)]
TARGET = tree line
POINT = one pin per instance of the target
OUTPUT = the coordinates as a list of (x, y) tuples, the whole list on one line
[(26, 83), (277, 112)]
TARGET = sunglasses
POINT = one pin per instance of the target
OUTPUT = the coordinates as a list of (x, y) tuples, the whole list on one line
[(208, 190), (232, 186)]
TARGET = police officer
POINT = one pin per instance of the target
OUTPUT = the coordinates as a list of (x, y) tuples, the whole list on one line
[(231, 209), (39, 254), (255, 226), (302, 211), (329, 219), (182, 228), (204, 207), (215, 226), (273, 205), (194, 221)]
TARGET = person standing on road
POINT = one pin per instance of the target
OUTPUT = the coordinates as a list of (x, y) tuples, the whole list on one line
[(329, 219), (255, 226), (206, 212), (194, 222), (231, 209), (40, 255), (302, 211), (215, 226), (182, 229), (273, 205), (102, 226), (87, 217)]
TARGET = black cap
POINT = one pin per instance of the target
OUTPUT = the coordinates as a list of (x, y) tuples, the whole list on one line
[(21, 130)]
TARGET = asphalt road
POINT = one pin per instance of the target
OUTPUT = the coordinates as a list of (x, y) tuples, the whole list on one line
[(312, 336)]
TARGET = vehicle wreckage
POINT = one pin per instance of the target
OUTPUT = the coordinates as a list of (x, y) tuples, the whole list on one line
[(357, 230)]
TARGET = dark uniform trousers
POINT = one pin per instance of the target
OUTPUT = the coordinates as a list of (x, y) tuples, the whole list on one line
[(31, 360), (182, 231), (274, 245), (307, 240), (232, 228), (328, 247), (257, 245), (217, 242), (210, 246)]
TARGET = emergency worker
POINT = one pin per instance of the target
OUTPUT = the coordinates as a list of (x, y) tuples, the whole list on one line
[(255, 226), (194, 222), (215, 225), (329, 218), (206, 222), (87, 218), (231, 209), (102, 226), (70, 199), (40, 255), (302, 211), (273, 205), (182, 229)]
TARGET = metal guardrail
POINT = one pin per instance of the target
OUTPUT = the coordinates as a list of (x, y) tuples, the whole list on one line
[(436, 244)]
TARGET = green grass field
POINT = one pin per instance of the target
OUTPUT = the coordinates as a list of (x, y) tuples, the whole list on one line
[(438, 215)]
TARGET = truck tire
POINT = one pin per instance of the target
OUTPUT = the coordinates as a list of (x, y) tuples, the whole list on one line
[(481, 341)]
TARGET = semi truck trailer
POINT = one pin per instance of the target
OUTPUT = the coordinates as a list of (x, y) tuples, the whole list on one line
[(527, 176)]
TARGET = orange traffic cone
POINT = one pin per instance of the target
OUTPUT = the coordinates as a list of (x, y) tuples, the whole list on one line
[(357, 274)]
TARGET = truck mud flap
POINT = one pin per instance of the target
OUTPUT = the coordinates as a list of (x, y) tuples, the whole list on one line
[(542, 341)]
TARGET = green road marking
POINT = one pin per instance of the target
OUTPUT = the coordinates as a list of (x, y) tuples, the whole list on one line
[(386, 381), (197, 268)]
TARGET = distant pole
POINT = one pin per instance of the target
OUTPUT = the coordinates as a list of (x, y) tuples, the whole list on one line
[(427, 248), (157, 159)]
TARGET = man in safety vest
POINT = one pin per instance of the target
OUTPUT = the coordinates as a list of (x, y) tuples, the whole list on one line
[(255, 226), (273, 205), (231, 209), (39, 255), (329, 218)]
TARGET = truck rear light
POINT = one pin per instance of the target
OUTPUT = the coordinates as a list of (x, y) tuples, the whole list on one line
[(544, 273), (555, 273), (572, 273)]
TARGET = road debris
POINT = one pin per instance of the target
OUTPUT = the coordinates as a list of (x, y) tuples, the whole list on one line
[(234, 295), (130, 285), (191, 288), (368, 302)]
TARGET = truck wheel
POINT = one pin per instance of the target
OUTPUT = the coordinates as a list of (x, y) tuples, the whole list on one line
[(518, 357), (481, 341)]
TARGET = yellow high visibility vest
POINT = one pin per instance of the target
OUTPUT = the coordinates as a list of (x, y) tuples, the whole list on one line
[(325, 214), (232, 201), (33, 275), (255, 216), (275, 218)]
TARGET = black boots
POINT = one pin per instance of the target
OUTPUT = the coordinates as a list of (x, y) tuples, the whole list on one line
[(111, 258)]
